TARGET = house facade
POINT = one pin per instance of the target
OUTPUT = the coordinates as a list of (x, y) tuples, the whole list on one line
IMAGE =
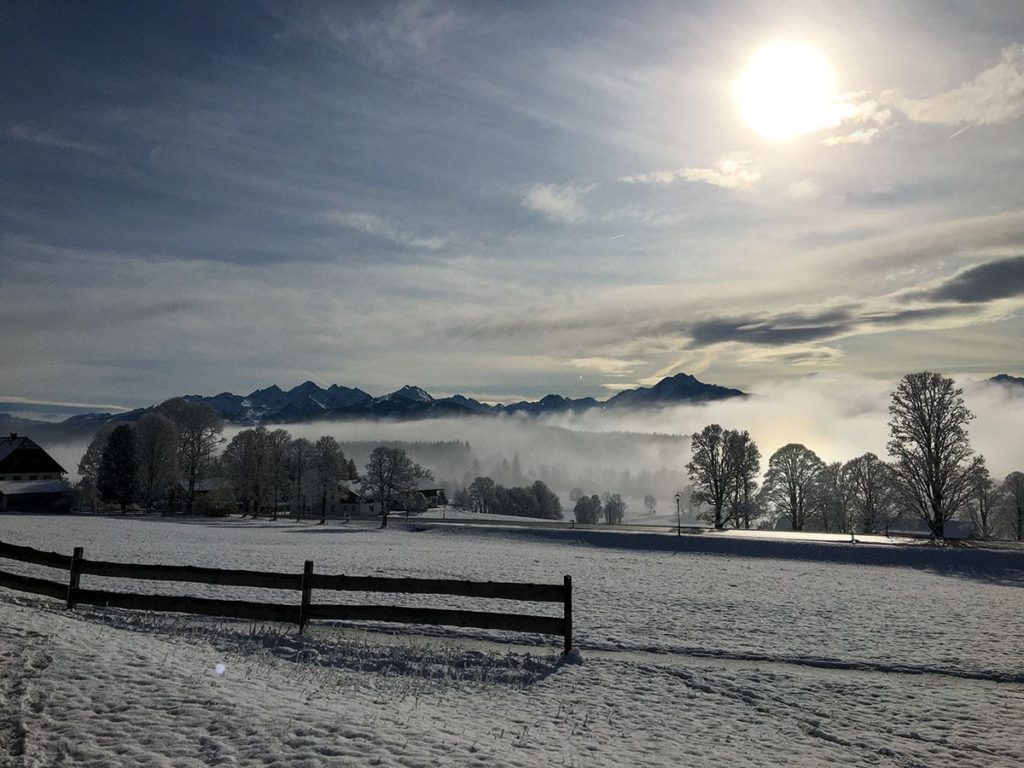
[(432, 497), (347, 503), (22, 460), (30, 479)]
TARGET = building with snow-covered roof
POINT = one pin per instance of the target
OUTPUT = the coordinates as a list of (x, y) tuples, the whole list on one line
[(22, 459), (349, 503), (31, 480)]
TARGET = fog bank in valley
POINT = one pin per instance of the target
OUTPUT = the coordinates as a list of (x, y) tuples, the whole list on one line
[(638, 452), (838, 417)]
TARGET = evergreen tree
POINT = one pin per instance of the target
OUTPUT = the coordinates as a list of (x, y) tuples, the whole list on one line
[(89, 466), (118, 479)]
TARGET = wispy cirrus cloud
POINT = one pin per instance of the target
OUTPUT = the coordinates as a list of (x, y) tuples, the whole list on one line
[(610, 366), (53, 139), (736, 170), (77, 407), (560, 203), (375, 226), (408, 31)]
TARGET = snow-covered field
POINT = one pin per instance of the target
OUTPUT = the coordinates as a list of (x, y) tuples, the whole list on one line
[(696, 651)]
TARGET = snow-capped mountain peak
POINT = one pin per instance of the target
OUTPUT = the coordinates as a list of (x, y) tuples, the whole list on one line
[(409, 392)]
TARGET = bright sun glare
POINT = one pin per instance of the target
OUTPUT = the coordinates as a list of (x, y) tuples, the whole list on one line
[(786, 90)]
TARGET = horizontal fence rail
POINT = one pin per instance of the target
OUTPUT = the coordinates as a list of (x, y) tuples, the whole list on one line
[(538, 593), (35, 586), (223, 577), (305, 583), (235, 609), (545, 625), (38, 557)]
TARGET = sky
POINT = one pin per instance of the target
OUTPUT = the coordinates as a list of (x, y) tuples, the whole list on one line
[(505, 200)]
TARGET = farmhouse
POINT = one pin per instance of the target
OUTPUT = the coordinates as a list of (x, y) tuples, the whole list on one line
[(426, 496), (348, 503), (23, 459), (434, 496), (30, 479)]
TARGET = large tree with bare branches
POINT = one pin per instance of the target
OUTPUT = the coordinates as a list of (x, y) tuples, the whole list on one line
[(934, 464), (389, 474), (709, 470), (792, 483), (199, 429), (1012, 491)]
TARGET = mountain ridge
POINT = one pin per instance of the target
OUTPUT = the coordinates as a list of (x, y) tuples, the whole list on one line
[(1007, 379), (310, 402)]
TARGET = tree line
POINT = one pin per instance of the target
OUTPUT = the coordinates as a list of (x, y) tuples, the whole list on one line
[(588, 510), (164, 458), (933, 474), (484, 496)]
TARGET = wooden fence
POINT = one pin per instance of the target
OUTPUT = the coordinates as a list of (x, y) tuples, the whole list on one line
[(305, 582)]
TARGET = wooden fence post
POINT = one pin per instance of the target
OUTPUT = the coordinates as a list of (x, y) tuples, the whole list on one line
[(75, 576), (568, 613), (307, 588)]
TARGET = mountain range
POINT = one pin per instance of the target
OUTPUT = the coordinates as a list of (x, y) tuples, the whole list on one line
[(310, 402)]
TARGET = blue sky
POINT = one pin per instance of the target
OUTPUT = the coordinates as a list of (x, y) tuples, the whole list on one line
[(503, 200)]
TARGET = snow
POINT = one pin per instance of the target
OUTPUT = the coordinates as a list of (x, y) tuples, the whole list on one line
[(704, 650)]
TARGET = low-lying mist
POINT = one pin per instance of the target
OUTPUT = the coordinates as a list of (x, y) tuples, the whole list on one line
[(639, 452)]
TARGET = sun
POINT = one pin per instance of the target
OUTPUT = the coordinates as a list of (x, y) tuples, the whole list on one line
[(787, 90)]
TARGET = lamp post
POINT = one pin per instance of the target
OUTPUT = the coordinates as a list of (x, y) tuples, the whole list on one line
[(679, 516)]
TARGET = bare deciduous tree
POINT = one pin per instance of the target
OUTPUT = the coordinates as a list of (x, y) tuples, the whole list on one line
[(390, 473), (709, 471), (299, 462), (651, 503), (928, 440), (247, 462), (1012, 503), (872, 501), (723, 469), (278, 443), (481, 494), (614, 509), (199, 433), (742, 464), (981, 508), (791, 483), (156, 447), (329, 470)]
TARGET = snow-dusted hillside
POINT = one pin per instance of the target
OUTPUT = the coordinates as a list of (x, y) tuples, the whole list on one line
[(796, 654)]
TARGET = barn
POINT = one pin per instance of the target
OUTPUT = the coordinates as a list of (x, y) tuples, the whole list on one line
[(30, 479)]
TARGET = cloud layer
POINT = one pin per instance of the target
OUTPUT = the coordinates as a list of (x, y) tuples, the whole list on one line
[(199, 200)]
